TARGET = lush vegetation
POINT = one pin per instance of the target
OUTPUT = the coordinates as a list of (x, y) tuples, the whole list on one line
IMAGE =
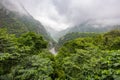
[(86, 58), (91, 58), (24, 58), (74, 35)]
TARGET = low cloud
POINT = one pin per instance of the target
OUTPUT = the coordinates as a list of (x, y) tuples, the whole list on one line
[(60, 14)]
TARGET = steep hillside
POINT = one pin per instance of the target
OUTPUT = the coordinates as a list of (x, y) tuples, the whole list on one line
[(74, 35), (18, 23), (91, 58), (97, 26)]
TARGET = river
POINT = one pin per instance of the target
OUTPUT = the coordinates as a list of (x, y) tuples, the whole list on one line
[(52, 50)]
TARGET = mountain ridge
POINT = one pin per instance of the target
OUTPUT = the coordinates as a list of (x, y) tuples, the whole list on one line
[(91, 25), (19, 23)]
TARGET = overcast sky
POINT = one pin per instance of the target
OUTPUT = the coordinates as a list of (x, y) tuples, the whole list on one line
[(60, 14)]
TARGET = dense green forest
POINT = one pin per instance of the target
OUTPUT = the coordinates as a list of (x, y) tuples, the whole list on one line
[(24, 58), (89, 57), (74, 35)]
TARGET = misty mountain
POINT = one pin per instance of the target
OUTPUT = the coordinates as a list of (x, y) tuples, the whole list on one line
[(95, 25), (52, 32), (17, 20), (61, 33)]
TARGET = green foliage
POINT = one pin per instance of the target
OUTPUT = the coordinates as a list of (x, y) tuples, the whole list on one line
[(32, 42), (36, 68), (7, 42), (93, 58), (74, 35), (24, 58), (8, 48), (84, 58)]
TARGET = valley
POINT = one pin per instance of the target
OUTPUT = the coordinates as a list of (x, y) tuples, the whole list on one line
[(31, 50)]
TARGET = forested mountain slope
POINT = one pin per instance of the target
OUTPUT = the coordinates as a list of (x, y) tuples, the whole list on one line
[(19, 23), (27, 57), (74, 35), (87, 58), (97, 26)]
